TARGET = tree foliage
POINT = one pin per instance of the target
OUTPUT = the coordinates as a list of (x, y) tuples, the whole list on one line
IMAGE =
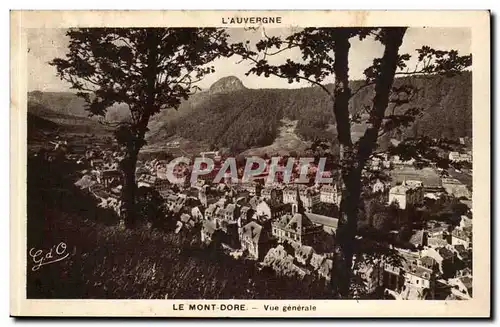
[(325, 52), (146, 69)]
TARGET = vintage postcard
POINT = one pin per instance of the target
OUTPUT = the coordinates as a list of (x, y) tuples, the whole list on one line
[(250, 163)]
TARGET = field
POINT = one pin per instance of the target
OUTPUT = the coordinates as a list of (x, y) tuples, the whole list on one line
[(287, 141)]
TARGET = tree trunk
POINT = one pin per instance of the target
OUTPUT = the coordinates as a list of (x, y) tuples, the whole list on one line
[(342, 95), (352, 162), (130, 162), (129, 189)]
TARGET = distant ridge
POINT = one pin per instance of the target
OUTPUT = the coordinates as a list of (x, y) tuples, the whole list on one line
[(232, 116), (229, 115)]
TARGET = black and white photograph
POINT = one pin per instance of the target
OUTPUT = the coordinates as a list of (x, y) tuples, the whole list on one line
[(255, 159)]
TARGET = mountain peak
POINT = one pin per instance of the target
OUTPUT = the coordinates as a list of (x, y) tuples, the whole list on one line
[(227, 84)]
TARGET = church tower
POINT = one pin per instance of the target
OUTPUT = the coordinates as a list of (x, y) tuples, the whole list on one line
[(298, 206)]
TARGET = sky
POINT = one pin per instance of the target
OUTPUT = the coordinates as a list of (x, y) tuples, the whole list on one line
[(47, 44)]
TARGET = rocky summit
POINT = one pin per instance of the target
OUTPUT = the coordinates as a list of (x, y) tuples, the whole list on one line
[(226, 85)]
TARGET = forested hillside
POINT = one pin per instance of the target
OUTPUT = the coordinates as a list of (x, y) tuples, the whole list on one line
[(247, 118), (231, 116)]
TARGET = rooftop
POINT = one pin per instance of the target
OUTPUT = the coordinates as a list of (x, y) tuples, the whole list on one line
[(323, 220), (252, 231)]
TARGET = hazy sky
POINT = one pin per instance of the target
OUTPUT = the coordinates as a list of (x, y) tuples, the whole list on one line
[(46, 44)]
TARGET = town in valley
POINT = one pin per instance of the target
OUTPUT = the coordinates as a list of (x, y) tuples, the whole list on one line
[(290, 228), (184, 163)]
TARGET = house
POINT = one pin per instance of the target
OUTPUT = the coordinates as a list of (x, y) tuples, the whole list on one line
[(463, 253), (186, 222), (231, 212), (371, 275), (379, 162), (97, 163), (207, 231), (295, 228), (253, 202), (419, 238), (438, 231), (465, 222), (429, 263), (309, 198), (420, 276), (393, 277), (272, 194), (460, 236), (455, 156), (111, 178), (219, 214), (289, 195), (196, 213), (303, 254), (221, 202), (274, 255), (329, 194), (146, 180), (436, 242), (210, 211), (246, 214), (397, 162), (394, 274), (462, 287), (325, 269), (251, 187), (283, 263), (255, 239), (329, 224), (316, 260), (265, 193), (267, 209), (408, 193), (109, 165), (175, 202)]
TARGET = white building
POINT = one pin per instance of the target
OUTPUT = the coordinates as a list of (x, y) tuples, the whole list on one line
[(460, 237), (408, 193), (329, 194), (455, 156), (309, 198), (289, 195), (419, 276)]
